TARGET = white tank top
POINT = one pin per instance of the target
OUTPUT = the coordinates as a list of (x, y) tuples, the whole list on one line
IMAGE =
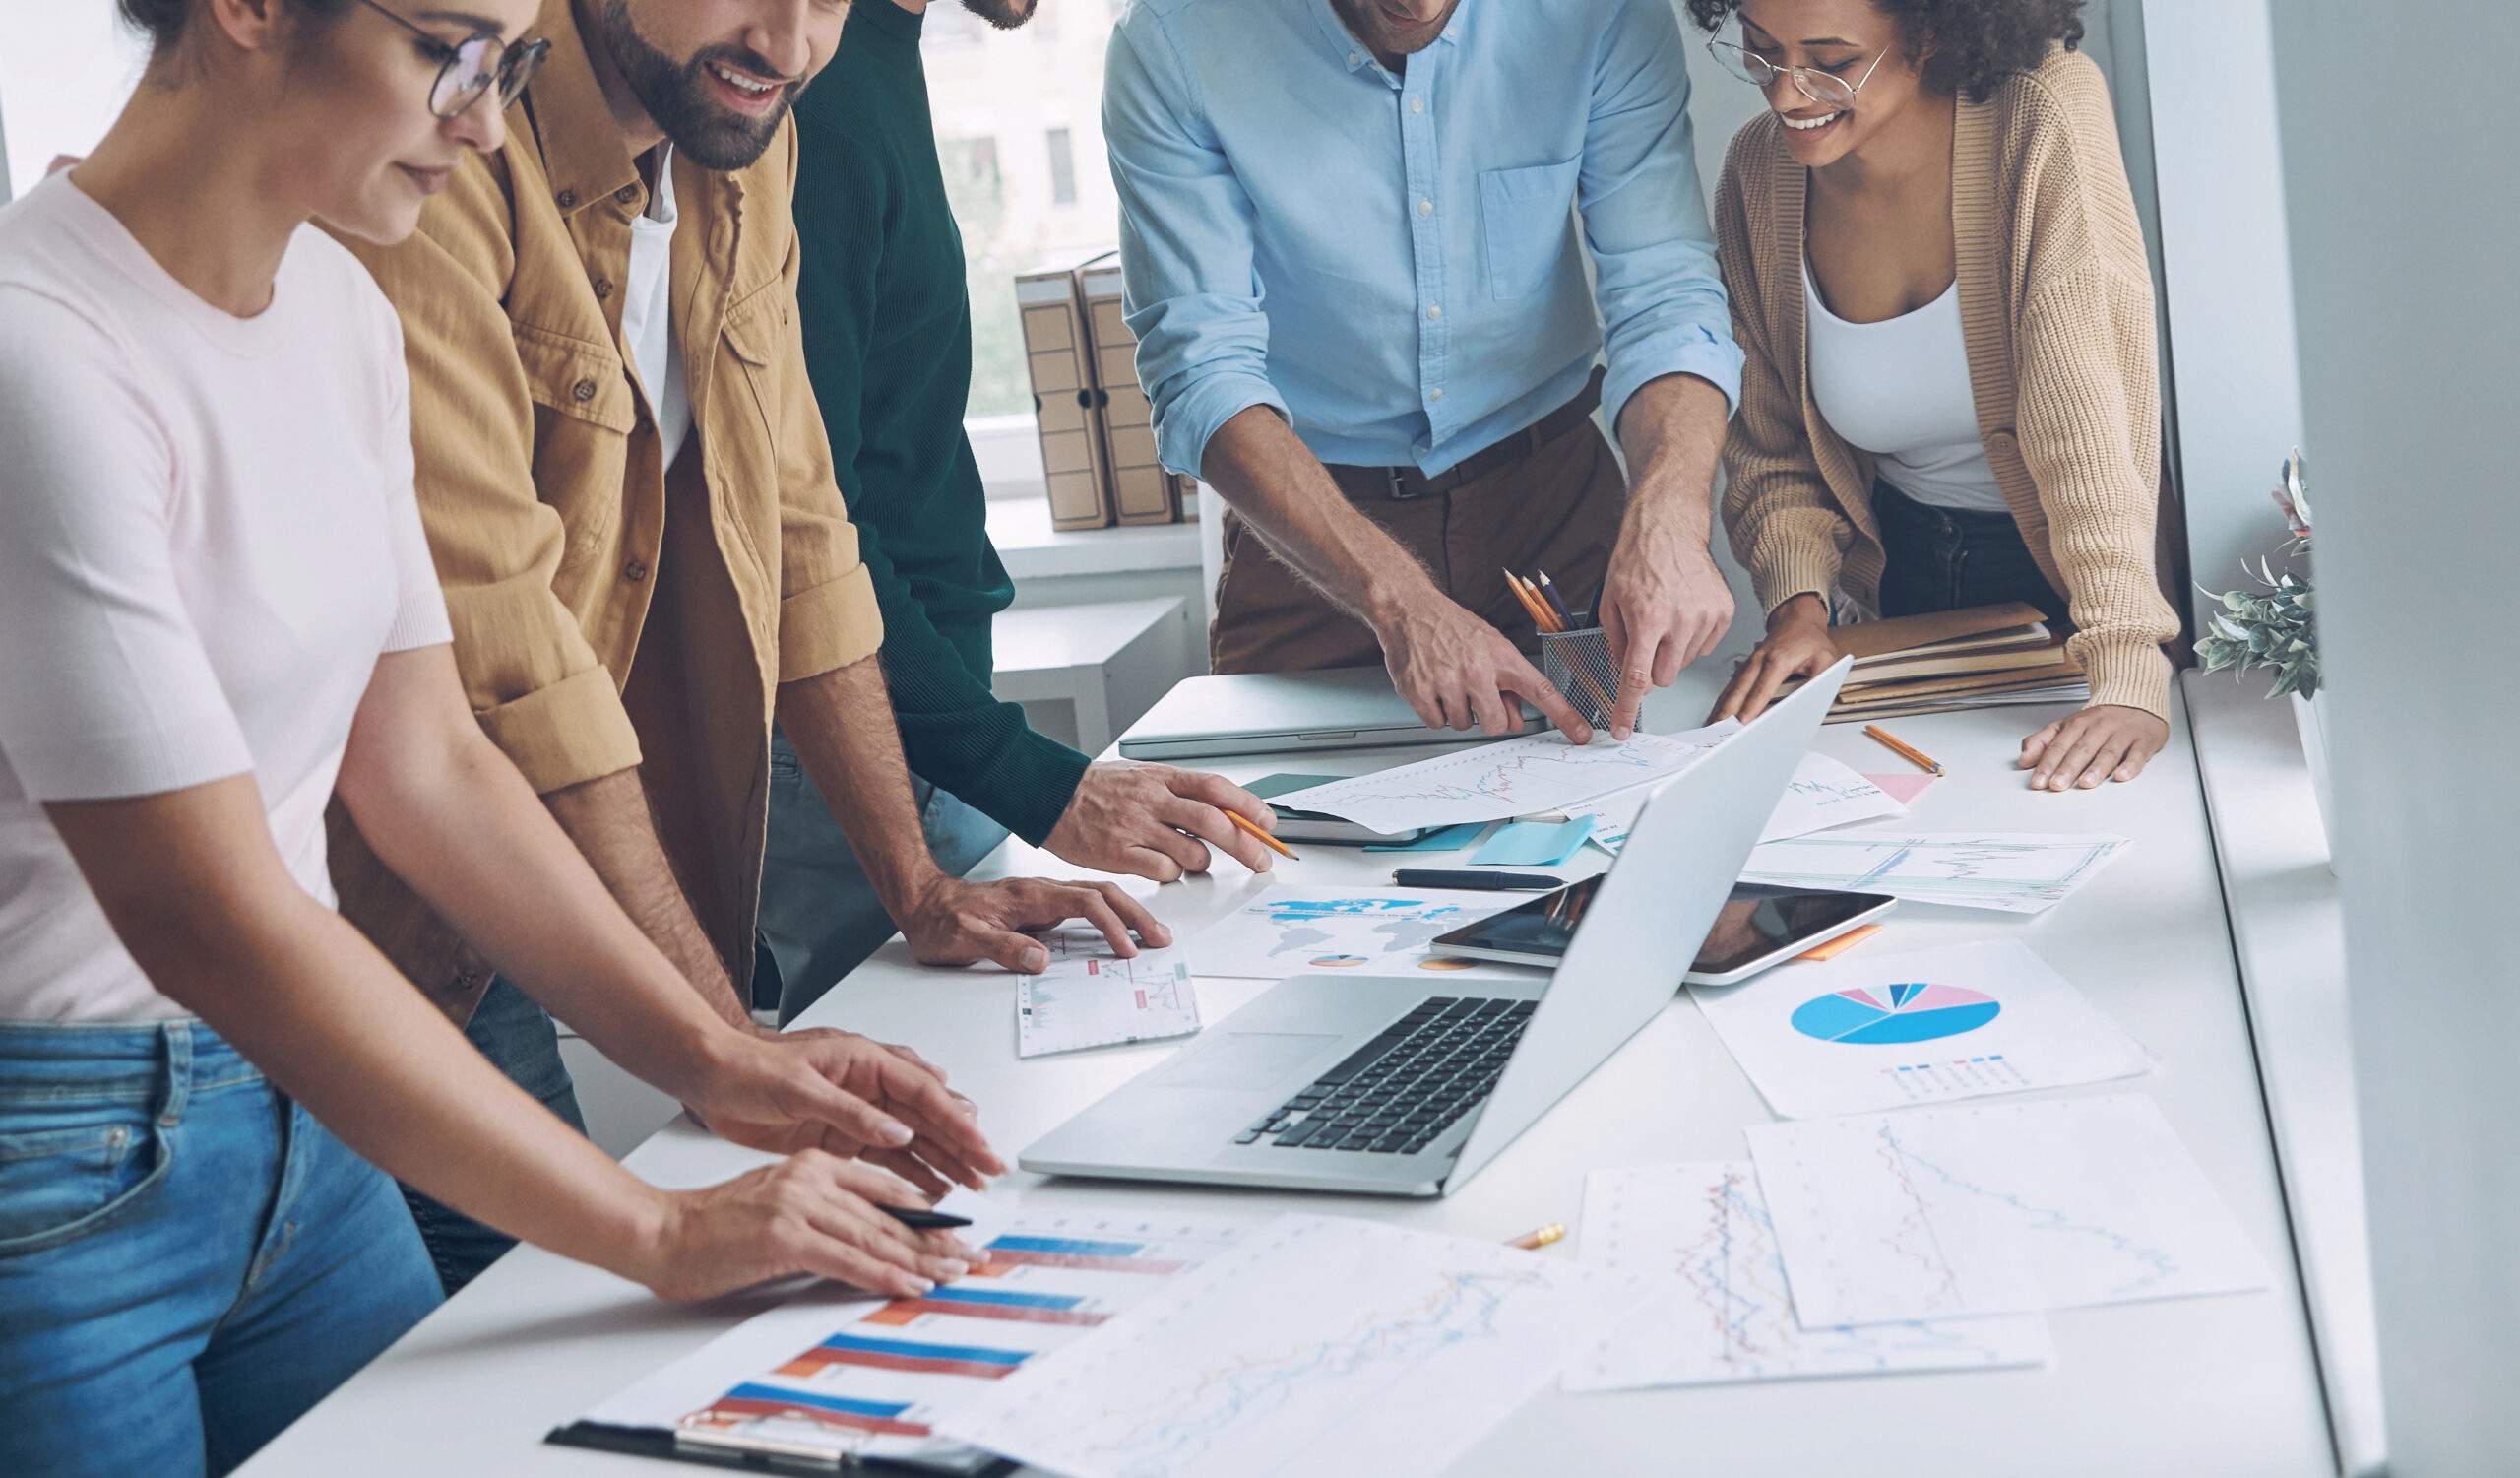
[(1899, 390)]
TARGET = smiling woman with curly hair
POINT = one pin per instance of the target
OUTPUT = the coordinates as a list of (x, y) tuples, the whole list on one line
[(1950, 400)]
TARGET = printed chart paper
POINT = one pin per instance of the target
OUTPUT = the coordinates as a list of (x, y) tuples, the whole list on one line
[(1290, 930), (1700, 1233), (1875, 1032), (1090, 997), (1319, 1345), (2025, 872), (1516, 777), (828, 1374), (1824, 794), (1995, 1208)]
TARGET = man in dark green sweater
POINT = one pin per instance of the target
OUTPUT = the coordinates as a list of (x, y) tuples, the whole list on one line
[(888, 340)]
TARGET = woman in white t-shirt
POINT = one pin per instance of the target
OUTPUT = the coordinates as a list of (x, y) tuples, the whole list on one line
[(216, 607)]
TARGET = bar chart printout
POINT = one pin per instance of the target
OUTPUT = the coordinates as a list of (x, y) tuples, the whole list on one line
[(825, 1377), (1700, 1235), (1318, 1345)]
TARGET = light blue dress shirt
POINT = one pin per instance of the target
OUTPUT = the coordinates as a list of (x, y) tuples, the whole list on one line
[(1392, 260)]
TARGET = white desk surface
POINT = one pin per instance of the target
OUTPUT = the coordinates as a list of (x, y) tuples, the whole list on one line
[(2219, 1385), (2289, 928)]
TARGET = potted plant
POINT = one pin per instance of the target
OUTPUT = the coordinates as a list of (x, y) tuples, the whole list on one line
[(2276, 626)]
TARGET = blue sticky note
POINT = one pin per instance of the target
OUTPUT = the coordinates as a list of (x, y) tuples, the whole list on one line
[(1441, 839), (1534, 844)]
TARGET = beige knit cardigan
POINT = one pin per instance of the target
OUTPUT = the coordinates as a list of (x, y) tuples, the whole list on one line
[(2056, 308)]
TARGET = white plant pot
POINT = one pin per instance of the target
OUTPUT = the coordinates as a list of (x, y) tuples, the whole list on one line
[(2306, 717)]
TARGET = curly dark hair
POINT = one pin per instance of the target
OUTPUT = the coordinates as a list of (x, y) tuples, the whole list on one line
[(1975, 42)]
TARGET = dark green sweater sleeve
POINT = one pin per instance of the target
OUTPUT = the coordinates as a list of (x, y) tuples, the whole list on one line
[(955, 733)]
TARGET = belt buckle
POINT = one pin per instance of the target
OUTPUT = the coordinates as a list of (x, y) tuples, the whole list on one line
[(1400, 493)]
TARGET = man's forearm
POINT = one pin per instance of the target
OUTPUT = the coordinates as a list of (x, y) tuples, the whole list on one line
[(1672, 432), (841, 725), (609, 821), (1257, 464)]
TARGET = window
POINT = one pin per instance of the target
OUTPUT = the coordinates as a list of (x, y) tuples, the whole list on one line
[(1027, 206), (1062, 167), (64, 73)]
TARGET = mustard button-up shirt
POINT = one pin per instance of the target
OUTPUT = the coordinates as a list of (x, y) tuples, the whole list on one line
[(570, 558)]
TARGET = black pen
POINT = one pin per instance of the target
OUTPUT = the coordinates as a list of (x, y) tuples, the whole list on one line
[(1490, 881), (927, 1221)]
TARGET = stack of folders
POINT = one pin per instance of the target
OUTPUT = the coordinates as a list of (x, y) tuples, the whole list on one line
[(1981, 658)]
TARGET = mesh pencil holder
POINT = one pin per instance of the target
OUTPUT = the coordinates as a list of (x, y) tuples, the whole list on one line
[(1578, 665)]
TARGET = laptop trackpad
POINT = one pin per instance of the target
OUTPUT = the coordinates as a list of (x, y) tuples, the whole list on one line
[(1245, 1061)]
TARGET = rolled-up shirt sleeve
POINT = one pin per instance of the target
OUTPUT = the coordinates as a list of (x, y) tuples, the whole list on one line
[(1645, 222), (1192, 295), (537, 686)]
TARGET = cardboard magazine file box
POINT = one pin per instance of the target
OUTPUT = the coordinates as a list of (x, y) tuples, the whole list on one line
[(1061, 357), (1142, 491)]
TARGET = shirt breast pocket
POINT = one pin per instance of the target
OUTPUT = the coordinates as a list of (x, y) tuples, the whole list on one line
[(581, 395), (752, 337), (1525, 216)]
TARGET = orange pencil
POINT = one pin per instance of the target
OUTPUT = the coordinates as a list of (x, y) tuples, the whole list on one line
[(1913, 755), (1266, 840), (1540, 613)]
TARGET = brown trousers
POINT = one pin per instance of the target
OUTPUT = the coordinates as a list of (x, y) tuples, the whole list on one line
[(1556, 509)]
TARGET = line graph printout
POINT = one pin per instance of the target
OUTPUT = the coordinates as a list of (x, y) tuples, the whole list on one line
[(2024, 873), (1995, 1208), (1319, 1345), (1516, 777), (1822, 794), (1874, 1032), (1721, 1313), (830, 1374), (1292, 929), (1090, 997)]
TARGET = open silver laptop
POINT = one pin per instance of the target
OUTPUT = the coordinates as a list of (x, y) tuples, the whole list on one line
[(1272, 713), (1395, 1085)]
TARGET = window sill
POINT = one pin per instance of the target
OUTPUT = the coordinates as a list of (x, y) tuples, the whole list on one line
[(1032, 549)]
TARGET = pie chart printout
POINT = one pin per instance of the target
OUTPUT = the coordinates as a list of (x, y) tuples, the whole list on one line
[(1914, 1011)]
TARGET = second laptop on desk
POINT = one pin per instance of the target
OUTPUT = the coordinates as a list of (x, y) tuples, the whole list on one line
[(1279, 713), (1407, 1085)]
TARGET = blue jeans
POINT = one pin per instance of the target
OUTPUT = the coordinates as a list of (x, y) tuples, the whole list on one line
[(1953, 558), (518, 1039), (188, 1262), (820, 918)]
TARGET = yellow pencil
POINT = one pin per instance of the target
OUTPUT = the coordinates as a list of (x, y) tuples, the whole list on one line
[(1909, 752), (1540, 1237), (1272, 843)]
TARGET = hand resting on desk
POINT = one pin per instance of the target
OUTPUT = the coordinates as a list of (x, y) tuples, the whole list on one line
[(1157, 821)]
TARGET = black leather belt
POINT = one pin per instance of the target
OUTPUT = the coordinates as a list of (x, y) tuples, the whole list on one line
[(1404, 483)]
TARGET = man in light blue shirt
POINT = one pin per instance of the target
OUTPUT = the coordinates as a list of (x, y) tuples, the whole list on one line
[(1350, 230)]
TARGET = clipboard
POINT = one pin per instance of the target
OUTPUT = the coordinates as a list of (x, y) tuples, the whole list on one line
[(669, 1446)]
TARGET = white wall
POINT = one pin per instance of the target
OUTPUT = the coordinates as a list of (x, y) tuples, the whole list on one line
[(2402, 215), (65, 68)]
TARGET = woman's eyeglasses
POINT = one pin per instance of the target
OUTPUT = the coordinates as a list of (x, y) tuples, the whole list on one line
[(472, 66), (1826, 88)]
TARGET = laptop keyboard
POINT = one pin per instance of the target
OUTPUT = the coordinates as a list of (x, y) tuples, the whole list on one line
[(1396, 1093)]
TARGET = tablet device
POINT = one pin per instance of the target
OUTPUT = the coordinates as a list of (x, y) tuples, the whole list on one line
[(1758, 926)]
